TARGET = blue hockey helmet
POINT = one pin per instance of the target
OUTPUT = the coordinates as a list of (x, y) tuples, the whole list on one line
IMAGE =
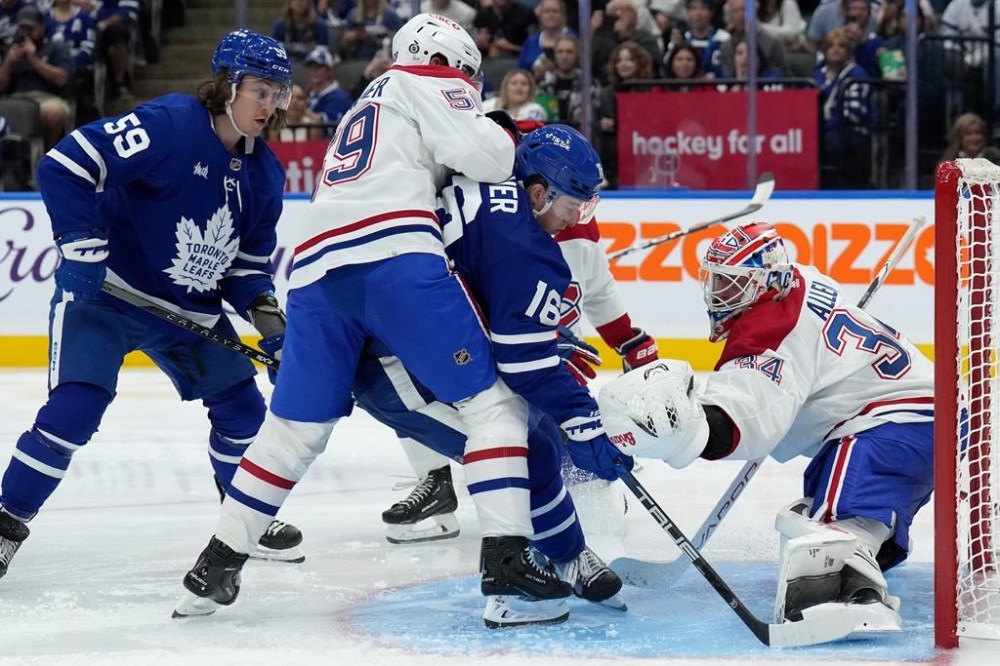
[(243, 52), (746, 265), (567, 163)]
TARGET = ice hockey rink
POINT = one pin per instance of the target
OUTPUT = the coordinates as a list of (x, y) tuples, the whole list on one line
[(98, 578)]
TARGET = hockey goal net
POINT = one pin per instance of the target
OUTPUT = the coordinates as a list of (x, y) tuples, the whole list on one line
[(967, 405)]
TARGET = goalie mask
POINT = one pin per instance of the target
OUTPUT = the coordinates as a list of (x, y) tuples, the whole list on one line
[(744, 266)]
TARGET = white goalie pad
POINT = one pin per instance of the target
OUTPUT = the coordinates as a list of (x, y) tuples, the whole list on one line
[(652, 412), (821, 564)]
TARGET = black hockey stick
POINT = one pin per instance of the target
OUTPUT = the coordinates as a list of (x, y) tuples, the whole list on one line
[(761, 193), (643, 573), (188, 325), (821, 626)]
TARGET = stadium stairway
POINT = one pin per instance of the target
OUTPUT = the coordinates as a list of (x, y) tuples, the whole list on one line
[(186, 51)]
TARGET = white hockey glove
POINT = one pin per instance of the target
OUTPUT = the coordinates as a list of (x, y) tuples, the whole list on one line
[(652, 412)]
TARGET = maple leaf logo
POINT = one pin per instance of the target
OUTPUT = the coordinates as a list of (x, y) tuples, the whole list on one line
[(202, 259)]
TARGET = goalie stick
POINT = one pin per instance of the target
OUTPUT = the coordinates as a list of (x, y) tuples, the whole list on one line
[(185, 323), (822, 625), (642, 573), (762, 192)]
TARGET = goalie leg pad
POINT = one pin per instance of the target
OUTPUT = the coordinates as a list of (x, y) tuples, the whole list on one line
[(822, 563), (510, 611), (652, 412), (810, 561)]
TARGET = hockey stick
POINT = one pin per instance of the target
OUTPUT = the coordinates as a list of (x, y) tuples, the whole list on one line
[(901, 247), (763, 191), (642, 573), (188, 325), (820, 626)]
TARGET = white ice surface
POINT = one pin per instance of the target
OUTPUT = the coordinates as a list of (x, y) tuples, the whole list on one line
[(98, 578)]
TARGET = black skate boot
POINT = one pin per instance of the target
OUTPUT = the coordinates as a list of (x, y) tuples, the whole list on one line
[(433, 498), (12, 534), (214, 581), (592, 579), (511, 566), (279, 543)]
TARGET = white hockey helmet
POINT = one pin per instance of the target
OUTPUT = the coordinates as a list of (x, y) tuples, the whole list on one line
[(427, 35)]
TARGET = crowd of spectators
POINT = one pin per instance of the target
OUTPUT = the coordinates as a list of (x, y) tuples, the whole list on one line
[(60, 62), (852, 51)]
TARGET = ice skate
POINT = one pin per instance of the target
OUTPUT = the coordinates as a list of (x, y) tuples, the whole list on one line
[(592, 579), (213, 582), (508, 611), (510, 566), (280, 543), (427, 513), (12, 534)]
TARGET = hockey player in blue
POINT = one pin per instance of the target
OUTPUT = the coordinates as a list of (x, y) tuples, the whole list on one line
[(370, 265), (176, 202), (500, 240)]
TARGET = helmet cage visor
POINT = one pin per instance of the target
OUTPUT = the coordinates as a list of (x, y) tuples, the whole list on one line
[(569, 207), (264, 91)]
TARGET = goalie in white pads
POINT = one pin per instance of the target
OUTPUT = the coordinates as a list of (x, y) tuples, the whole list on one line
[(803, 372)]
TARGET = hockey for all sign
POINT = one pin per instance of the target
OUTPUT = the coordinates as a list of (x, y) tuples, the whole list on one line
[(697, 140)]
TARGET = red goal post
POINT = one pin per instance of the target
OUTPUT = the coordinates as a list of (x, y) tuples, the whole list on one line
[(967, 402)]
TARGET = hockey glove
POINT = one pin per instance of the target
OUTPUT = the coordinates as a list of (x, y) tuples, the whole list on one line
[(577, 356), (590, 452), (505, 121), (269, 320), (83, 266), (638, 350), (526, 126)]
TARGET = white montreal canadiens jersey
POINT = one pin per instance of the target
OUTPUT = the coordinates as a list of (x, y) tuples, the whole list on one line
[(812, 367), (592, 292), (381, 173)]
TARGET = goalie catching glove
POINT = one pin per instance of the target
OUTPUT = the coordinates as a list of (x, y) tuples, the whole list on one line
[(652, 412)]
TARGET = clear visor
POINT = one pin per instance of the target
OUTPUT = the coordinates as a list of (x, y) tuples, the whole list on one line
[(727, 288), (571, 208), (478, 78), (266, 92)]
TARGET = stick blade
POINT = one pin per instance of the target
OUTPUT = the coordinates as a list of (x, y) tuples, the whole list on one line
[(640, 573), (820, 624), (764, 189)]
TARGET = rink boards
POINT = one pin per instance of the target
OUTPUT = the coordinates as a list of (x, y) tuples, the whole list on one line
[(847, 235)]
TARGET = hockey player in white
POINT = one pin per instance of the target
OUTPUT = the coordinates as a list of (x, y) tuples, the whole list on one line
[(427, 513), (803, 372), (370, 265), (184, 224)]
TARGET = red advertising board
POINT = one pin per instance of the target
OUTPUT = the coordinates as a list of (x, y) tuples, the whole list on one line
[(698, 139), (303, 161)]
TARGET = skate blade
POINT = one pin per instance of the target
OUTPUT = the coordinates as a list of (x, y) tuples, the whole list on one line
[(435, 528), (506, 611), (291, 555), (191, 605), (614, 602)]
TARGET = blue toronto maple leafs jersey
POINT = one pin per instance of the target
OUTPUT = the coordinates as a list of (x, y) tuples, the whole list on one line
[(187, 221), (518, 276)]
